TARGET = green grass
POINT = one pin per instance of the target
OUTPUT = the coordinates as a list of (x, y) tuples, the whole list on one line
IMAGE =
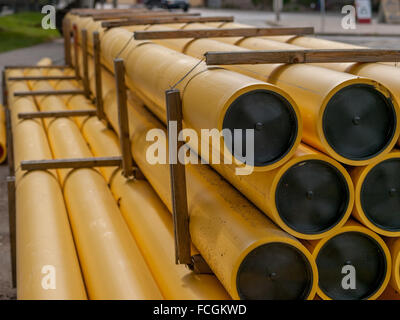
[(23, 30)]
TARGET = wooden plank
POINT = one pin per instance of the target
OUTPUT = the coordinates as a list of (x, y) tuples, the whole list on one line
[(57, 114), (139, 15), (47, 92), (36, 67), (4, 90), (67, 41), (85, 63), (98, 75), (10, 144), (162, 20), (94, 12), (76, 47), (178, 183), (12, 227), (127, 161), (41, 78), (30, 165), (218, 33), (302, 56)]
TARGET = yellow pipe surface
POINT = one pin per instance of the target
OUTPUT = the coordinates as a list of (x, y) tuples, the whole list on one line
[(356, 246), (225, 228), (318, 88)]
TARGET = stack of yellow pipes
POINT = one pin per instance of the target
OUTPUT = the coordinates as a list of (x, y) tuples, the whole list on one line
[(151, 66), (309, 217)]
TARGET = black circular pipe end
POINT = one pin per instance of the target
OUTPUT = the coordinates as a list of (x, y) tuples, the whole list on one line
[(312, 197), (359, 122), (358, 250), (380, 195), (275, 271), (273, 119)]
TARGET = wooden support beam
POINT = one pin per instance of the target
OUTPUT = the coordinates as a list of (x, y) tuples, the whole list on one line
[(12, 228), (41, 78), (57, 114), (76, 47), (127, 160), (21, 66), (302, 56), (10, 144), (48, 93), (152, 14), (98, 75), (178, 182), (4, 90), (85, 63), (162, 20), (67, 41), (219, 33), (94, 12), (30, 165)]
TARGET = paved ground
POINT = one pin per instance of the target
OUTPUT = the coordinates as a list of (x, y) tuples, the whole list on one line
[(54, 50)]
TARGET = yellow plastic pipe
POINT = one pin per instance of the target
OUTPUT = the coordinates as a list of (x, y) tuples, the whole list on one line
[(226, 229), (47, 263), (321, 94), (112, 264), (353, 264), (376, 189), (211, 97), (151, 224), (386, 74), (3, 137)]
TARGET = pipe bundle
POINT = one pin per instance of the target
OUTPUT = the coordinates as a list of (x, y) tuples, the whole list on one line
[(323, 191)]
